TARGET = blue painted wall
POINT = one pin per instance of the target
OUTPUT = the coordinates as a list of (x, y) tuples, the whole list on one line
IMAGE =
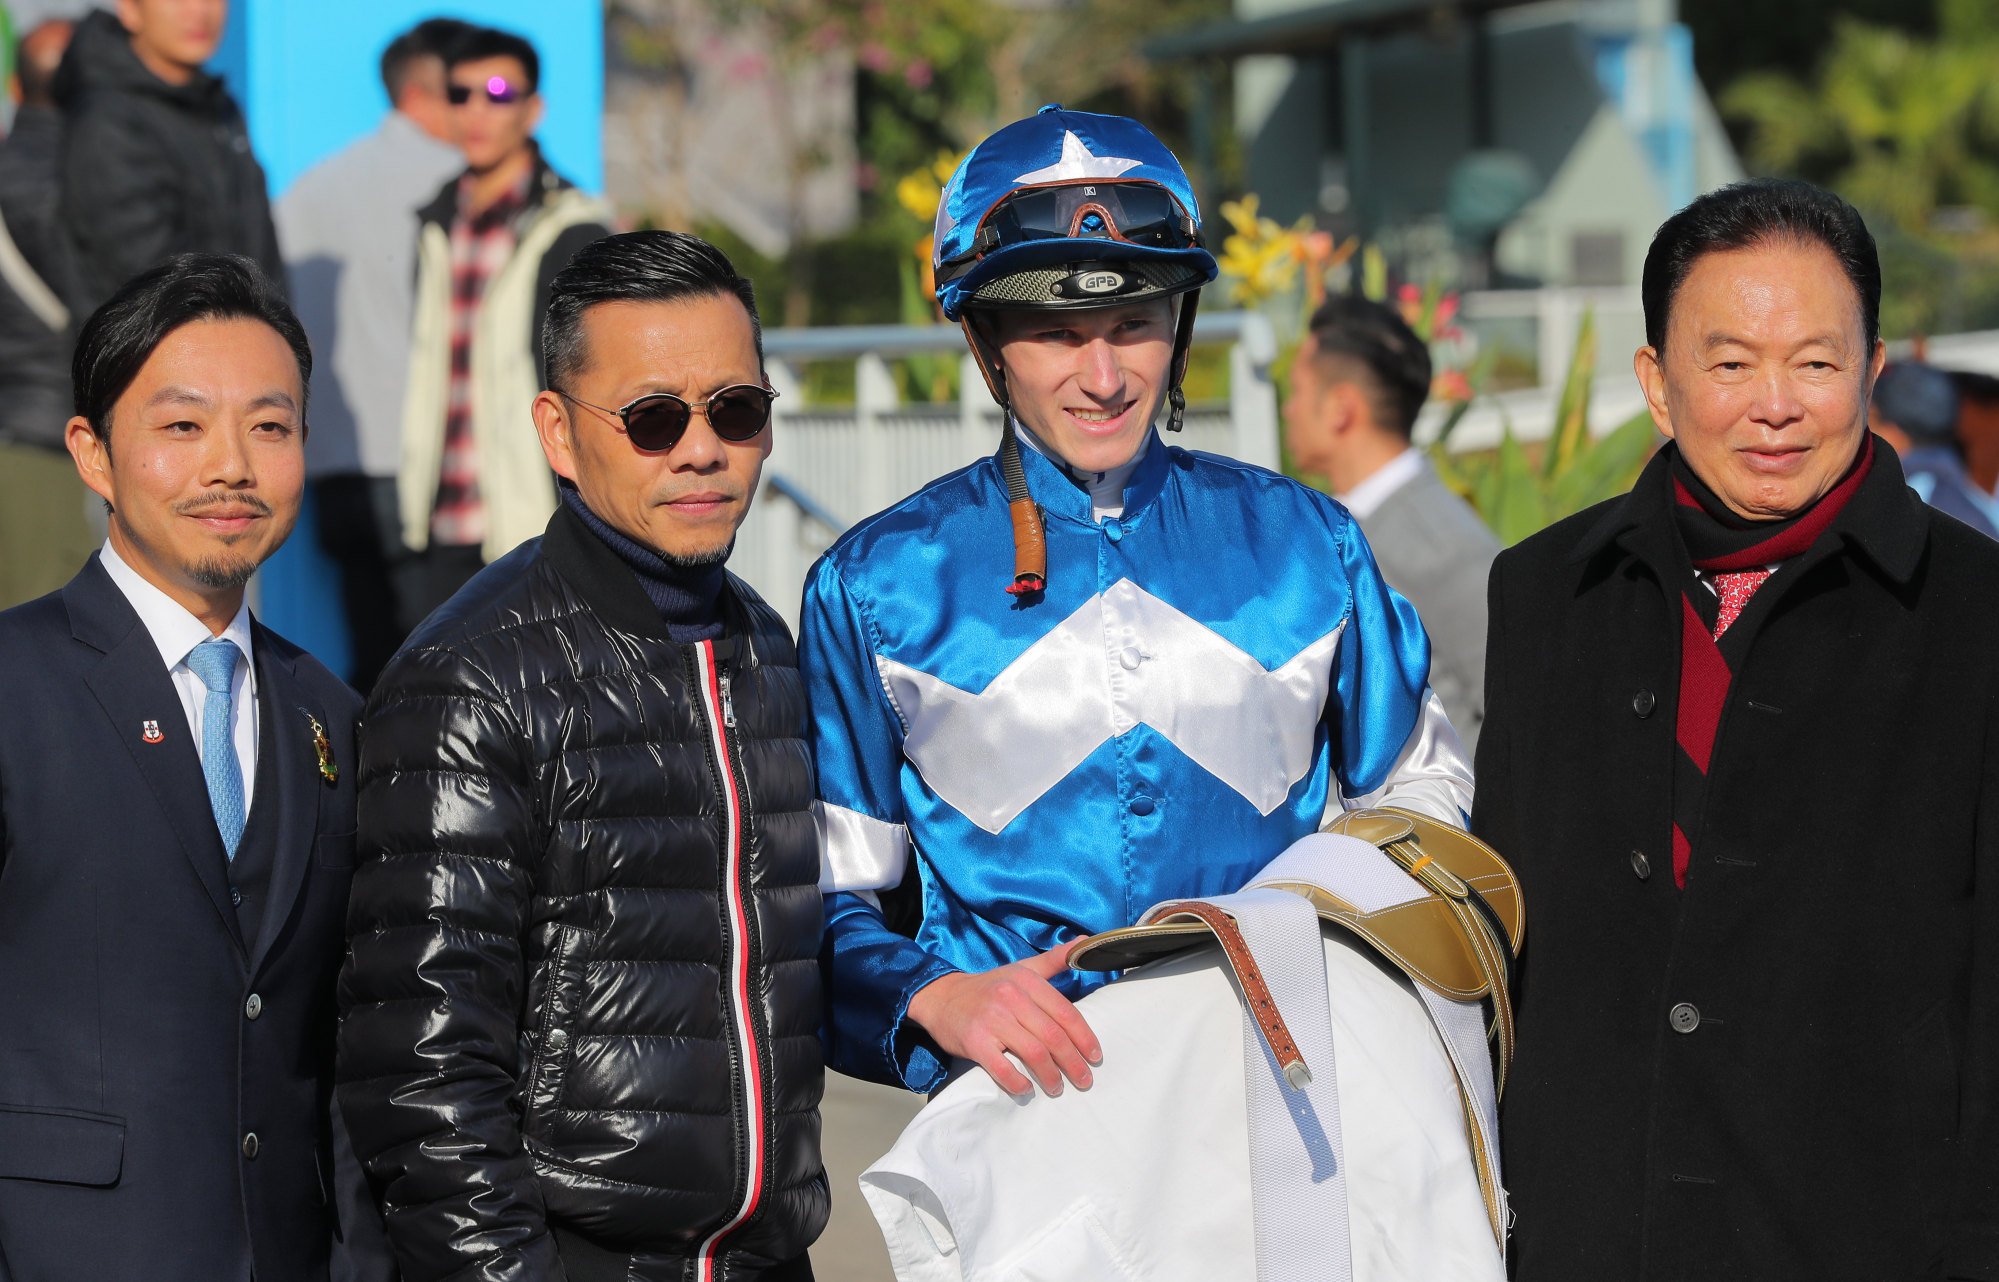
[(306, 74)]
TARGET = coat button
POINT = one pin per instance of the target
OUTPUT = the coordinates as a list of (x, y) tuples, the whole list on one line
[(1641, 865), (253, 1006), (1685, 1018), (558, 1040), (1131, 658), (1643, 702), (1113, 530), (235, 897), (250, 1146), (1141, 806)]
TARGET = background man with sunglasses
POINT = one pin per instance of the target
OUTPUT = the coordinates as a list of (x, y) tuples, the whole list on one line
[(472, 484), (1192, 659), (581, 1010)]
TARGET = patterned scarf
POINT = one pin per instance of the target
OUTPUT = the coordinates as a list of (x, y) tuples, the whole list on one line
[(1736, 556)]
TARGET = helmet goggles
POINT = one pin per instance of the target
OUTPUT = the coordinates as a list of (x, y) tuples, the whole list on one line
[(1141, 214)]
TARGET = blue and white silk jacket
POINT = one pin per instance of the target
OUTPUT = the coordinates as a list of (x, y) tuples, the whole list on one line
[(1206, 673)]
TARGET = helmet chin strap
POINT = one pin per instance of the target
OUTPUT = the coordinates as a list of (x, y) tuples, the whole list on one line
[(1030, 539), (1183, 348)]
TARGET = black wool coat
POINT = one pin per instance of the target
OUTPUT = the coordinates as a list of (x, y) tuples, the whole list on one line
[(1785, 1070)]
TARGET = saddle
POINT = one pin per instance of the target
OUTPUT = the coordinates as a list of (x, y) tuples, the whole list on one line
[(1455, 935)]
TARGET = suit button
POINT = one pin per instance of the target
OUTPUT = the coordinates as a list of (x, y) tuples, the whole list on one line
[(1141, 806), (235, 897), (1641, 865), (1130, 658), (1643, 702), (1685, 1017), (558, 1040), (250, 1146), (253, 1006)]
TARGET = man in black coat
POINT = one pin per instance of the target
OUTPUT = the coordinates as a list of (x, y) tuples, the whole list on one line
[(43, 532), (176, 833), (1742, 745), (580, 1021), (155, 157)]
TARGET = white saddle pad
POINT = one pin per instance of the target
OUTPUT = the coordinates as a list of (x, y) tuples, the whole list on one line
[(1145, 1177)]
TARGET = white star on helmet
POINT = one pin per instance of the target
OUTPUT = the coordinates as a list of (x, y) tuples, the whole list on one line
[(1078, 162)]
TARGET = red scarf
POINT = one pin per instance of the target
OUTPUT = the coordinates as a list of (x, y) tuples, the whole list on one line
[(1714, 638)]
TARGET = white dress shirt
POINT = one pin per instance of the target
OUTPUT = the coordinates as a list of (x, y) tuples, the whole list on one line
[(176, 633), (1363, 499)]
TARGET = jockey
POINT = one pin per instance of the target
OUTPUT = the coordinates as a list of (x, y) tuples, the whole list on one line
[(1193, 661)]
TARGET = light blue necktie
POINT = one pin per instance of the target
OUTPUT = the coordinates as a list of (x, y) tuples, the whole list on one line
[(214, 661)]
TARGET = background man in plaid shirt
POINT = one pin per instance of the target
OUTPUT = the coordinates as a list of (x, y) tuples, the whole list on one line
[(473, 482)]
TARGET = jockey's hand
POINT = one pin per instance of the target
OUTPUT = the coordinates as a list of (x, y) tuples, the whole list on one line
[(982, 1016)]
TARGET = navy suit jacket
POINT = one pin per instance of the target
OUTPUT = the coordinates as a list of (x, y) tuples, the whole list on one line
[(134, 1060)]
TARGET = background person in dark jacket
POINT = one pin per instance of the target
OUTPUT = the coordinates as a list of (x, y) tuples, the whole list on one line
[(43, 534), (1742, 745), (1915, 409), (155, 157), (581, 1011)]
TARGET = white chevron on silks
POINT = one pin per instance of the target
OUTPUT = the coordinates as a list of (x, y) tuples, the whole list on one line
[(1122, 659)]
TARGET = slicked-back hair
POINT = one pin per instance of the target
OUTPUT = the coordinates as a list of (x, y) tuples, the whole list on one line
[(477, 42), (1394, 363), (121, 336), (1757, 212), (431, 38), (635, 267)]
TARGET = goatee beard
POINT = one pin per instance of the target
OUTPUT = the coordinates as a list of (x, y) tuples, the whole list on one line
[(223, 576), (699, 560)]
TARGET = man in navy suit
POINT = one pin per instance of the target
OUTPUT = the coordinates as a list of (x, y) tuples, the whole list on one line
[(176, 832)]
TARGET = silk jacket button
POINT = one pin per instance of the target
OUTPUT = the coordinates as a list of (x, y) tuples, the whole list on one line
[(1113, 530), (1685, 1018), (1141, 806), (1130, 658), (253, 1006), (1641, 865), (250, 1146), (1643, 702)]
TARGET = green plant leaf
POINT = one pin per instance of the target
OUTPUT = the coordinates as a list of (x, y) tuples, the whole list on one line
[(1605, 468), (1571, 429)]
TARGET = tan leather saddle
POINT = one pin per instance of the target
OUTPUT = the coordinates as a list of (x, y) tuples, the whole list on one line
[(1459, 941)]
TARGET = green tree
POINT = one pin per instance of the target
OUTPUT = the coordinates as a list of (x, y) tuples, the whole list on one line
[(1906, 126)]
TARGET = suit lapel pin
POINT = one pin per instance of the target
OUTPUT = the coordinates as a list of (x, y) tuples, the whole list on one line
[(150, 732), (322, 747)]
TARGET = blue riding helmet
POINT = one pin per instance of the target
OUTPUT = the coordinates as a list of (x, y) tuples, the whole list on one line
[(1033, 209), (1065, 209)]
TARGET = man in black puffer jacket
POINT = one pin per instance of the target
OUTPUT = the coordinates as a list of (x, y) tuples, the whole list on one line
[(156, 161), (580, 1013)]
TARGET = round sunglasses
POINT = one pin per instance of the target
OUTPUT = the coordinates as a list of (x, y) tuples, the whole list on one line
[(656, 421)]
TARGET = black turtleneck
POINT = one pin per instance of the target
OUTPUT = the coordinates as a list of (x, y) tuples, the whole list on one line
[(688, 597)]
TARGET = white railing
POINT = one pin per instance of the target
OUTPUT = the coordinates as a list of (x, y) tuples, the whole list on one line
[(830, 466)]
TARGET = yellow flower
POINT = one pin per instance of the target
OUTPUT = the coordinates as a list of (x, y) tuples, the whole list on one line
[(920, 191), (1241, 214), (916, 193)]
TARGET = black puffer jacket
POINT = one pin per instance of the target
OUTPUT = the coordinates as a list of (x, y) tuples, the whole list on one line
[(582, 992), (151, 169)]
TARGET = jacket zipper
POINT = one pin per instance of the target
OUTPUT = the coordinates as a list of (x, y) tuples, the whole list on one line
[(719, 707)]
